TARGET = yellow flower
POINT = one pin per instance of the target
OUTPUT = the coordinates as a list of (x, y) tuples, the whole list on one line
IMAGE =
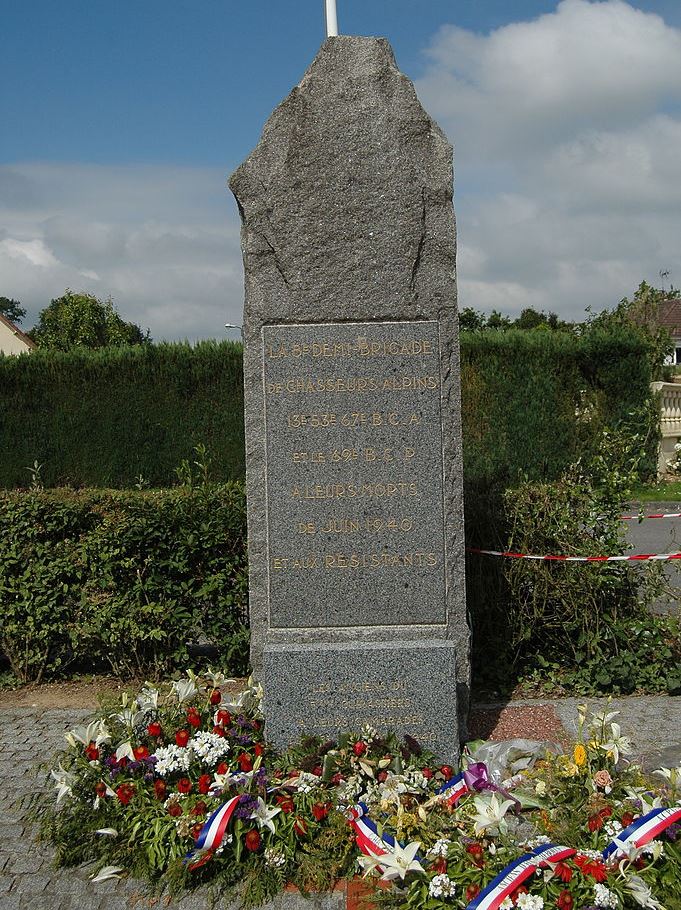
[(579, 755)]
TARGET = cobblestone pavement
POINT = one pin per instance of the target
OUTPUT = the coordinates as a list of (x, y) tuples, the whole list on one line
[(29, 736)]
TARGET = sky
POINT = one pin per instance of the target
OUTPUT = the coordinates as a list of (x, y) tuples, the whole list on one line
[(122, 122)]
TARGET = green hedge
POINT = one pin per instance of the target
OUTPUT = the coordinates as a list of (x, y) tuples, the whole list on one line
[(122, 581), (103, 418)]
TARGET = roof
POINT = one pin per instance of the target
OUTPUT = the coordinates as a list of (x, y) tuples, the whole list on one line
[(669, 315), (28, 341)]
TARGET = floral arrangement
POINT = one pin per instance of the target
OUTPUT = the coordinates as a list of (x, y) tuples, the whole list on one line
[(179, 786)]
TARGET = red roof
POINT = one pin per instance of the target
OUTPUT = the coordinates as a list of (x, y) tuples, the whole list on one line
[(669, 315), (31, 344)]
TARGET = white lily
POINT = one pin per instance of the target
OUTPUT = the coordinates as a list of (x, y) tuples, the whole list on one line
[(184, 689), (107, 832), (263, 815), (64, 782), (647, 804), (673, 776), (490, 813), (148, 699), (125, 751), (642, 894), (617, 744), (395, 864), (95, 732), (107, 872)]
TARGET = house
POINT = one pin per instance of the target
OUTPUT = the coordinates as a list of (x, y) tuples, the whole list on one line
[(669, 318), (12, 339)]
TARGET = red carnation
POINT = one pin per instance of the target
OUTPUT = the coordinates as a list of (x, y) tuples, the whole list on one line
[(337, 779), (359, 748), (140, 752), (100, 789), (125, 793), (591, 867), (154, 728), (320, 811), (219, 731), (258, 749), (595, 822), (563, 872), (196, 830), (565, 901), (317, 770), (606, 812), (475, 851), (472, 892), (300, 826), (440, 865), (184, 785), (222, 768), (627, 819), (224, 718), (286, 804), (193, 717), (199, 809), (215, 697), (447, 771), (245, 761), (160, 789), (92, 752), (204, 783), (174, 809), (182, 737), (252, 840), (427, 773)]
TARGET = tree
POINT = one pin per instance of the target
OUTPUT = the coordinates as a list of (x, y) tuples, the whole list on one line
[(82, 320), (471, 320), (12, 310)]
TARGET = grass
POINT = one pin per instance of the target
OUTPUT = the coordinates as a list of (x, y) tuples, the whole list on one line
[(658, 492)]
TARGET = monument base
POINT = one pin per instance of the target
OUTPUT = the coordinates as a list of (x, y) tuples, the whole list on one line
[(327, 688)]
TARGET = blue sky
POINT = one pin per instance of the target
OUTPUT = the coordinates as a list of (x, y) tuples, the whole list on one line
[(126, 119)]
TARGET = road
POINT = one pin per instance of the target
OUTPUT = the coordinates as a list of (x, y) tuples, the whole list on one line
[(659, 535)]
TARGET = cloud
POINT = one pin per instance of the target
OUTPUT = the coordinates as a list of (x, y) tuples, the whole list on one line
[(163, 242), (566, 131)]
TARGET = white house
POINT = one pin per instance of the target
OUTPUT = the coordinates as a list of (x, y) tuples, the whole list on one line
[(12, 339)]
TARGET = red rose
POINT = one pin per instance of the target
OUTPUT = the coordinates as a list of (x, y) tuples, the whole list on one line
[(204, 783), (182, 737), (627, 819), (252, 840), (140, 752), (447, 771), (160, 789), (215, 697), (606, 812), (472, 892), (193, 717), (300, 826), (100, 789), (595, 822), (440, 865), (317, 770), (258, 749), (174, 809), (427, 773), (320, 811), (154, 728), (286, 804), (196, 830), (359, 748), (92, 752), (563, 872), (199, 809), (125, 793), (245, 761), (565, 901), (184, 785), (224, 718), (222, 768)]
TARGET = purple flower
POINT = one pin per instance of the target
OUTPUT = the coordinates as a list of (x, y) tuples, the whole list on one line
[(673, 832), (246, 806)]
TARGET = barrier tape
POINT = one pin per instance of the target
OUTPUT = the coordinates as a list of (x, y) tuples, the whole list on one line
[(637, 557), (646, 517)]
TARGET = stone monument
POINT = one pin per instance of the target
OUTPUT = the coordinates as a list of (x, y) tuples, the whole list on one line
[(353, 432)]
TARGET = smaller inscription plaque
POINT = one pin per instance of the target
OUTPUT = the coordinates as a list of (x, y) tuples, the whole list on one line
[(405, 687)]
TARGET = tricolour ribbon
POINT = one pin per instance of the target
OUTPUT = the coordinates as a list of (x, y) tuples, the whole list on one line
[(516, 873), (642, 831), (474, 779), (212, 834), (453, 790), (369, 841)]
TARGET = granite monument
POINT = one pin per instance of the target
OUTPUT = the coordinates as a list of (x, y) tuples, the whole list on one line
[(353, 433)]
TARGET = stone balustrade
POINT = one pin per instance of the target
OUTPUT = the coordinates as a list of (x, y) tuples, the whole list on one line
[(670, 421)]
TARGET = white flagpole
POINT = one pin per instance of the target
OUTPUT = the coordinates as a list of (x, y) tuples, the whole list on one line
[(331, 19)]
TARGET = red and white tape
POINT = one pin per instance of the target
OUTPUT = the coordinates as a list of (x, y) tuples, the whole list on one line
[(646, 517), (638, 557)]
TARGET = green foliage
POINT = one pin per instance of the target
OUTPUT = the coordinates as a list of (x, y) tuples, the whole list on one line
[(12, 310), (122, 416), (83, 321), (122, 581)]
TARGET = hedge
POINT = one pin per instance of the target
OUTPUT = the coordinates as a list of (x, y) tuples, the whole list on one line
[(122, 581)]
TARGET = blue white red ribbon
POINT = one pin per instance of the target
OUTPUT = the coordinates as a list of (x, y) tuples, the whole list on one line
[(453, 790), (369, 841), (516, 873), (213, 833), (642, 831)]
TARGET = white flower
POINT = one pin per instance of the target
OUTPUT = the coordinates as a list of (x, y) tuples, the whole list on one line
[(395, 864), (64, 782), (107, 872), (439, 848), (642, 894), (506, 904), (263, 815), (441, 886), (184, 689), (530, 902), (274, 858), (95, 732), (108, 832), (209, 747), (148, 699), (490, 812), (617, 744), (172, 758), (605, 898), (125, 751)]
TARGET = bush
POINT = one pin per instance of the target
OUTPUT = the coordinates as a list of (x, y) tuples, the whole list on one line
[(123, 581)]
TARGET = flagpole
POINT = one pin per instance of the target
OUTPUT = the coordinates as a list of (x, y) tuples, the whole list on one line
[(331, 19)]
